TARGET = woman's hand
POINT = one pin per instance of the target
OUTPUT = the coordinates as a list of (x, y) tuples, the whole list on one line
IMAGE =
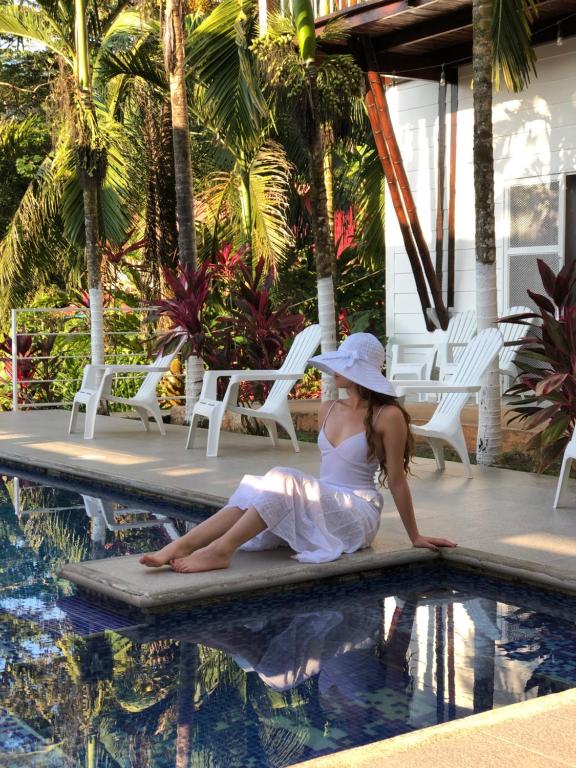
[(429, 542)]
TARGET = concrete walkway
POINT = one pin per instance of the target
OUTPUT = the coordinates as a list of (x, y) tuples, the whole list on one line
[(533, 734)]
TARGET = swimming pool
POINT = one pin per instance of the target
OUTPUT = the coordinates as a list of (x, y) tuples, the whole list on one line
[(260, 682)]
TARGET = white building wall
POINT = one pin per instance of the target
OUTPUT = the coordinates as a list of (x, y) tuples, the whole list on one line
[(534, 137)]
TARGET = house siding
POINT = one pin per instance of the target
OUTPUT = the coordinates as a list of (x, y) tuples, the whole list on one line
[(534, 136)]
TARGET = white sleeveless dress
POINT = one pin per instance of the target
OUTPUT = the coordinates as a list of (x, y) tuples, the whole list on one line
[(320, 519)]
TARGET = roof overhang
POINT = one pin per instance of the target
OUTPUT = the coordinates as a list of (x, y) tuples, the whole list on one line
[(416, 38)]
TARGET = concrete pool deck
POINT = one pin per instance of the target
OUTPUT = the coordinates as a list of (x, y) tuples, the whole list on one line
[(502, 520)]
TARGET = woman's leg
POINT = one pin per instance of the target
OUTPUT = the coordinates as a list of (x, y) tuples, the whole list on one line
[(198, 537), (218, 553)]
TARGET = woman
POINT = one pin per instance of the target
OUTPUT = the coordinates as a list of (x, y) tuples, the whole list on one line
[(337, 513)]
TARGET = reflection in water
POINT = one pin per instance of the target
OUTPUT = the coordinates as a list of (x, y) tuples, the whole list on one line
[(263, 682)]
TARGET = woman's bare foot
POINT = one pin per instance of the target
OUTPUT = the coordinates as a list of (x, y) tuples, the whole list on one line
[(176, 549), (208, 558)]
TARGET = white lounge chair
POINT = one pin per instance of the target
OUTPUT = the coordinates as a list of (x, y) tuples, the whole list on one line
[(96, 388), (445, 425), (569, 455), (275, 408)]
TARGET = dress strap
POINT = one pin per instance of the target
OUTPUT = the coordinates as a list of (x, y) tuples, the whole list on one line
[(332, 404)]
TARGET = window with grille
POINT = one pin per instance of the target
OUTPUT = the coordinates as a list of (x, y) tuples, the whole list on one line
[(534, 217)]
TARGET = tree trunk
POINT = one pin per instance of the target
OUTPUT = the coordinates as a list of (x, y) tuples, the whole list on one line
[(323, 243), (174, 60), (245, 201), (489, 439), (90, 180), (194, 374), (93, 266)]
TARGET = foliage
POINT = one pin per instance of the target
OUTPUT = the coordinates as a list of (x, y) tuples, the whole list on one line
[(257, 331), (185, 310), (514, 58), (546, 384)]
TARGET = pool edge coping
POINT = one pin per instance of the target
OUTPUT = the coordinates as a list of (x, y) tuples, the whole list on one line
[(541, 575)]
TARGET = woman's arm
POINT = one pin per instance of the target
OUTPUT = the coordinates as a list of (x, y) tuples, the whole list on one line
[(393, 431)]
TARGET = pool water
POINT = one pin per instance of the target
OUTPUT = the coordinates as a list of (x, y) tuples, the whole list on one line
[(268, 681)]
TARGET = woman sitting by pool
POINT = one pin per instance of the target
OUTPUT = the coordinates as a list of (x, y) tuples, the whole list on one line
[(320, 519)]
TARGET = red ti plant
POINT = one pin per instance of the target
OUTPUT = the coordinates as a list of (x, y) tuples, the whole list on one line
[(35, 361), (546, 384), (191, 288), (256, 333)]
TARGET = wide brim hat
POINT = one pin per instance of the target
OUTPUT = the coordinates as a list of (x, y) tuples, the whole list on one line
[(360, 358)]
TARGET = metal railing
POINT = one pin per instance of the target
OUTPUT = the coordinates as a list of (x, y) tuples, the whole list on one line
[(51, 346)]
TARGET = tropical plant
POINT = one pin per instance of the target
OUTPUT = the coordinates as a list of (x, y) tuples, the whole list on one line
[(319, 91), (244, 199), (84, 182), (546, 361), (185, 309)]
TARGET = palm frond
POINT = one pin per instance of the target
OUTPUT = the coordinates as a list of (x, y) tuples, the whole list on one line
[(219, 58), (29, 244), (218, 206), (366, 187), (140, 61), (39, 26), (269, 190), (513, 55)]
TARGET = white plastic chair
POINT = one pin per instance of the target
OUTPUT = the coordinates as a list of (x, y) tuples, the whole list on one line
[(445, 425), (275, 408), (96, 388), (569, 455)]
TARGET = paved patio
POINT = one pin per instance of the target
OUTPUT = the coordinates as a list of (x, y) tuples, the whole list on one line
[(502, 520)]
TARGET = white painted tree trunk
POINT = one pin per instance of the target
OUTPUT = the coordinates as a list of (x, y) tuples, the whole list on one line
[(96, 326), (489, 438), (263, 16), (194, 374), (327, 320)]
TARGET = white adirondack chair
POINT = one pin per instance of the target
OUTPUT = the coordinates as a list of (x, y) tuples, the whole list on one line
[(97, 508), (97, 384), (445, 425), (511, 332), (275, 408), (450, 345), (419, 367), (569, 455), (442, 350)]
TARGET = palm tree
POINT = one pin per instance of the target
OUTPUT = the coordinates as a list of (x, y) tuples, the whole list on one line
[(245, 198), (84, 182), (318, 91), (175, 61), (501, 46)]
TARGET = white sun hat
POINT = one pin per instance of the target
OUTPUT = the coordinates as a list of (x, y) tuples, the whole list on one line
[(360, 358)]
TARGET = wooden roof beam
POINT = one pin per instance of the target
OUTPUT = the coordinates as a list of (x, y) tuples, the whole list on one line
[(427, 30)]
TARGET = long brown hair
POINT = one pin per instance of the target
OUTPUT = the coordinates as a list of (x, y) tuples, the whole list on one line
[(376, 400)]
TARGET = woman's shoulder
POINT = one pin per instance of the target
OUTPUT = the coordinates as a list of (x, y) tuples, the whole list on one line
[(389, 416)]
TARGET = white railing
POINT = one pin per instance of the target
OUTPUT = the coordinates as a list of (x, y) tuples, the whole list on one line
[(58, 339)]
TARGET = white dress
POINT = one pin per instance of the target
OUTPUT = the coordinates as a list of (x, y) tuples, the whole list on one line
[(320, 519)]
